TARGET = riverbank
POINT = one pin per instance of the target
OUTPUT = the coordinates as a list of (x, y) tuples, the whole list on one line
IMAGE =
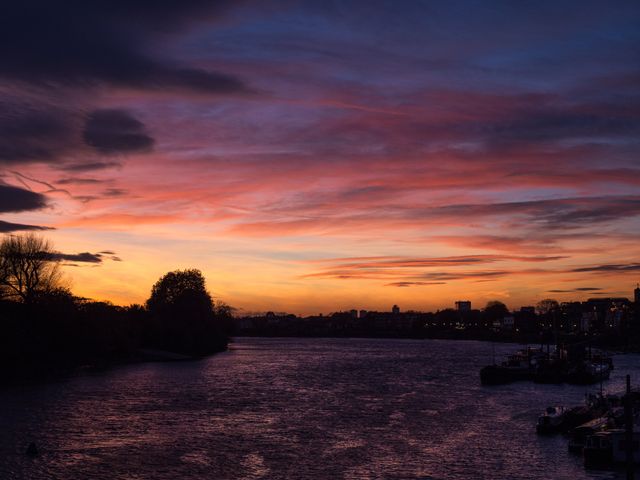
[(615, 343), (51, 368)]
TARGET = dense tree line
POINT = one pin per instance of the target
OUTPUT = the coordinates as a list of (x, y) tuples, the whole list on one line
[(44, 328)]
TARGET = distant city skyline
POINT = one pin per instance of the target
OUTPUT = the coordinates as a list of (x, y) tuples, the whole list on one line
[(321, 156)]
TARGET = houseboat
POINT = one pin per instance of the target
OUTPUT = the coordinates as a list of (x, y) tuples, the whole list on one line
[(608, 448)]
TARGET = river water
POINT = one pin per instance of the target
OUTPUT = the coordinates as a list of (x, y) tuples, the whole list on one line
[(295, 408)]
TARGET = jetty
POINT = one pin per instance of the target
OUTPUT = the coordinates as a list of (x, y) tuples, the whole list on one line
[(605, 431)]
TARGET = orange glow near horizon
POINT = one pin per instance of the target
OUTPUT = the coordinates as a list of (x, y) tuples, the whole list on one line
[(357, 162)]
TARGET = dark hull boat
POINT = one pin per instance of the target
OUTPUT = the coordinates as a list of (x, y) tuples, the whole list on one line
[(551, 421), (500, 374), (588, 373), (563, 420), (519, 366), (550, 372)]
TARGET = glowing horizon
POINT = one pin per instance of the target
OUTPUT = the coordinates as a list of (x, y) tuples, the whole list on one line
[(320, 158)]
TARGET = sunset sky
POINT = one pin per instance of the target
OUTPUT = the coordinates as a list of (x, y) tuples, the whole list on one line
[(325, 155)]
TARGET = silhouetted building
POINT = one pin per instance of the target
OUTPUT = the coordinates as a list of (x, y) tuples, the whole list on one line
[(587, 321), (504, 324), (569, 316), (526, 320), (354, 313), (636, 295), (463, 306), (395, 310)]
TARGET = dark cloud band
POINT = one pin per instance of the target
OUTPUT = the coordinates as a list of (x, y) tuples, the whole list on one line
[(8, 227), (83, 44), (116, 131), (16, 199)]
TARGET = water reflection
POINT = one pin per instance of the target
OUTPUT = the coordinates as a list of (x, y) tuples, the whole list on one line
[(299, 408)]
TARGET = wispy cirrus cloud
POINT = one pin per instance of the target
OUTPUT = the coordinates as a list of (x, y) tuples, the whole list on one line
[(557, 214), (576, 290), (408, 262), (611, 268), (531, 241), (413, 284), (88, 167), (79, 181), (107, 221), (407, 272)]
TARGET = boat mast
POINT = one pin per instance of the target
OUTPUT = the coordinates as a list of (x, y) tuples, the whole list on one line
[(493, 352), (628, 438)]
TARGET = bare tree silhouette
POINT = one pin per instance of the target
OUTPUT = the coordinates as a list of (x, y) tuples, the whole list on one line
[(28, 267)]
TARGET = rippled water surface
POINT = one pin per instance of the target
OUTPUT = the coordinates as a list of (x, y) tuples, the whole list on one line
[(294, 408)]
